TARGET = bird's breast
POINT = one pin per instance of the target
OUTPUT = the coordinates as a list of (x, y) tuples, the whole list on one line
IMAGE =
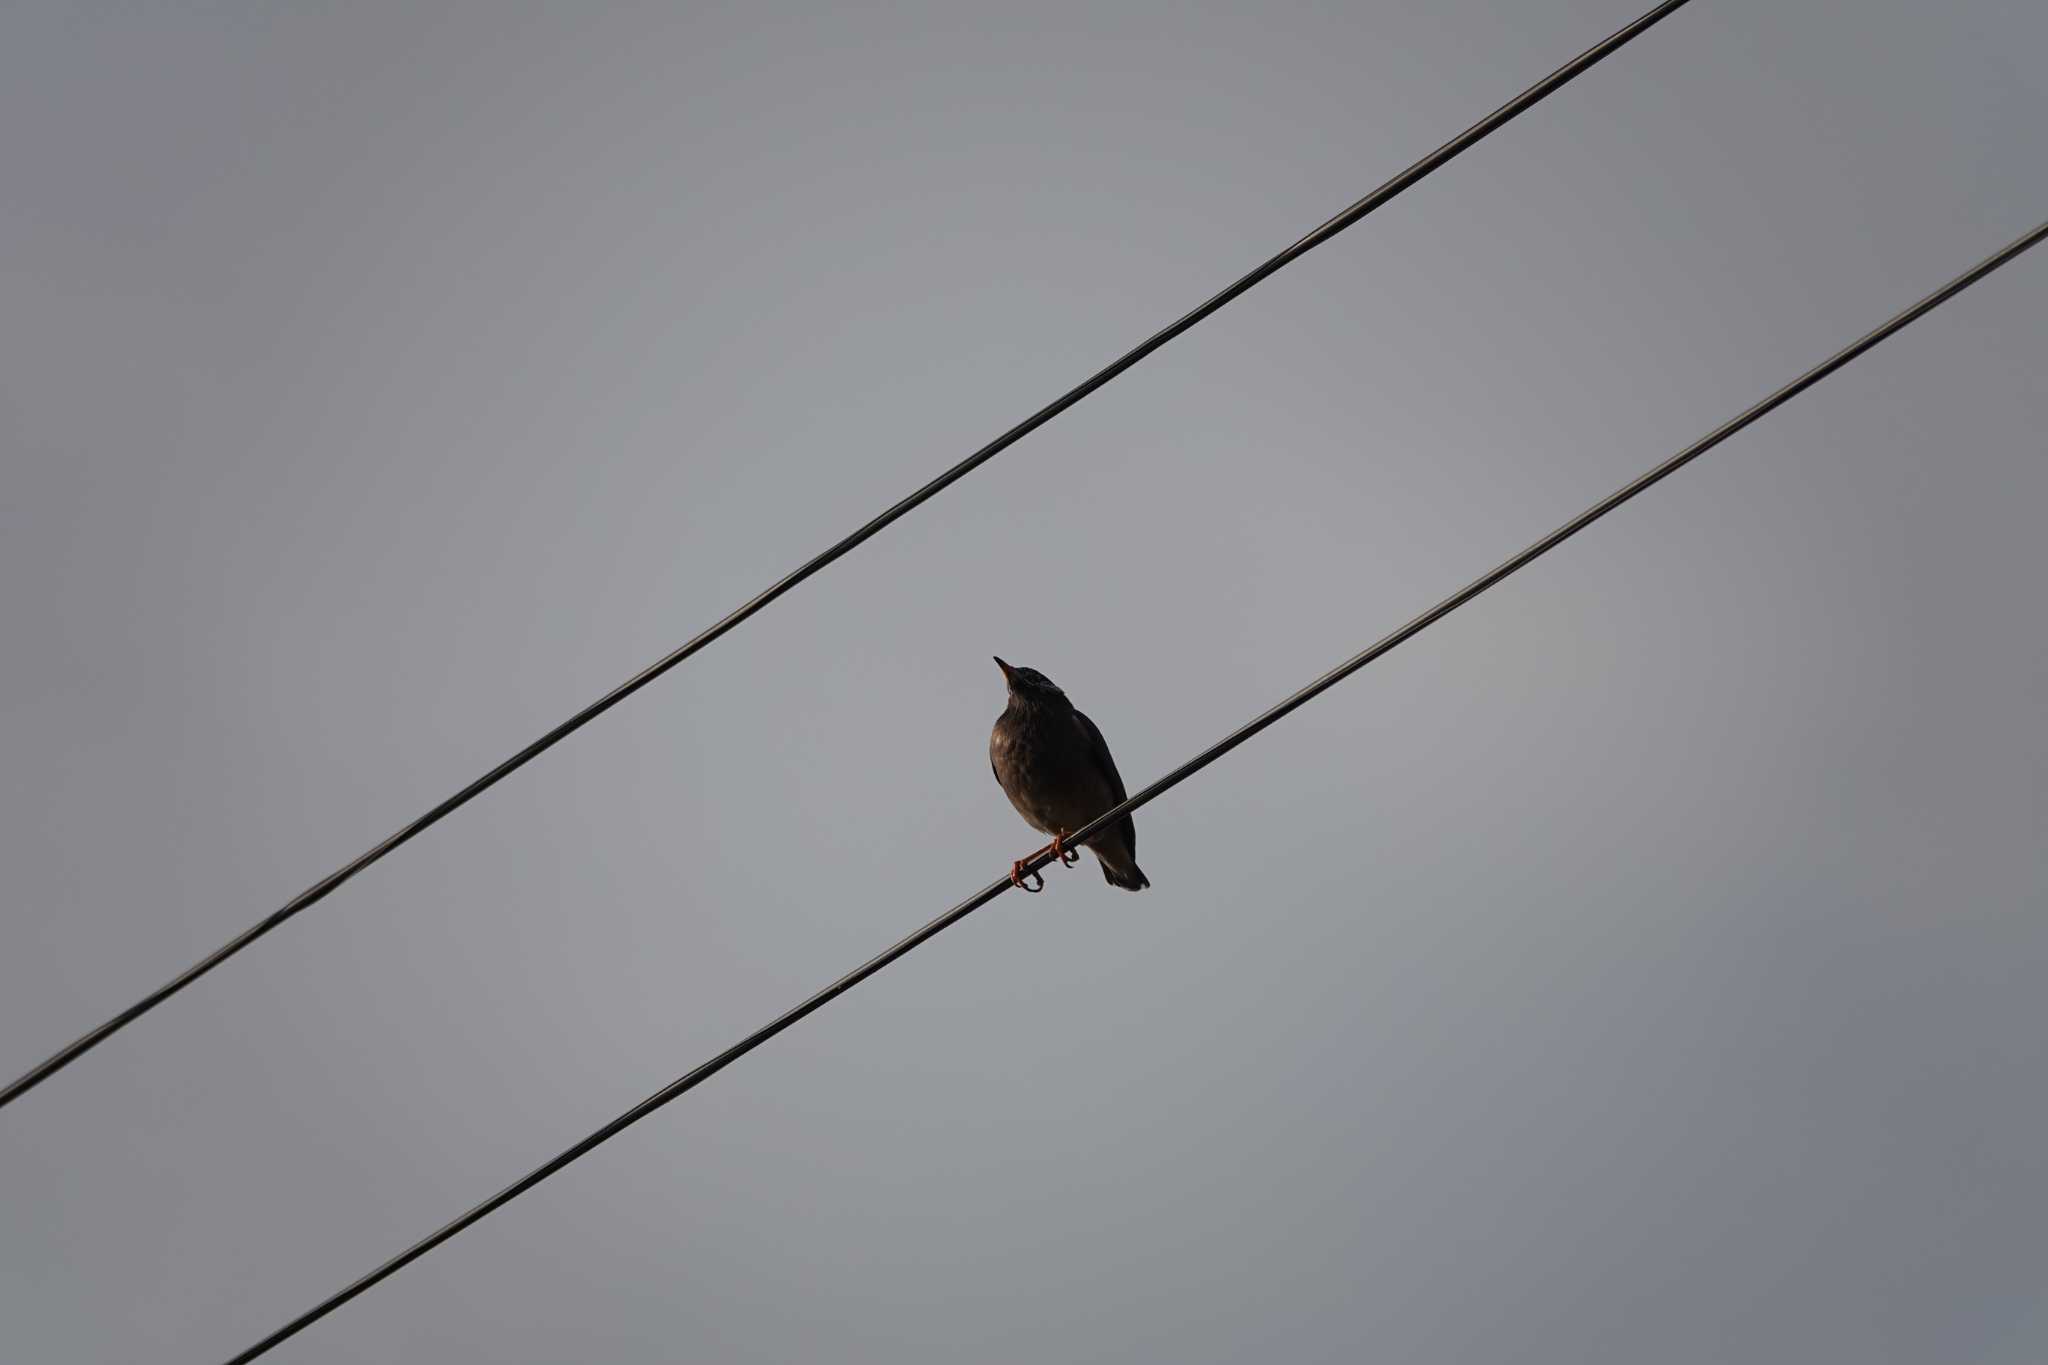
[(1043, 767)]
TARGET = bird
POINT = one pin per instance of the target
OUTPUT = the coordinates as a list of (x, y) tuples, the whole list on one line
[(1053, 764)]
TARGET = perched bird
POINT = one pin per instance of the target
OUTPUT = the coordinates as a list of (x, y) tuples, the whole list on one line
[(1052, 763)]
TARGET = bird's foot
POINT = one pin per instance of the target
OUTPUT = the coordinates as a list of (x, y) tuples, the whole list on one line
[(1023, 880), (1058, 848)]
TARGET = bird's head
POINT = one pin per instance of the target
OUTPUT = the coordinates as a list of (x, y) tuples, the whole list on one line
[(1029, 686)]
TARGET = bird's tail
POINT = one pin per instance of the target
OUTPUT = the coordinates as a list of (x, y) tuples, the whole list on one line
[(1123, 872)]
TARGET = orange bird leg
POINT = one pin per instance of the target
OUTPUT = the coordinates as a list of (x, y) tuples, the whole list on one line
[(1018, 874), (1058, 848)]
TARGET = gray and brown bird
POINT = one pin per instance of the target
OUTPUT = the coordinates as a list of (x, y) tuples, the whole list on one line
[(1052, 763)]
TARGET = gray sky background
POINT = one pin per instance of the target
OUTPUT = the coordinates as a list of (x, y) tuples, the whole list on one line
[(1644, 965)]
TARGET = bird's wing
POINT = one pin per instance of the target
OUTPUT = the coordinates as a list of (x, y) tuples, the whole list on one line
[(1098, 750)]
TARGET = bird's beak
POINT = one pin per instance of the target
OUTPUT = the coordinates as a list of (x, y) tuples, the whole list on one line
[(1009, 673)]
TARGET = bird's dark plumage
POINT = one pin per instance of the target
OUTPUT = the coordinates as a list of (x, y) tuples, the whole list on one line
[(1053, 764)]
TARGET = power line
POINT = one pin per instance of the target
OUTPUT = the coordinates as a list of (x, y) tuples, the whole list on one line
[(1173, 779), (319, 890)]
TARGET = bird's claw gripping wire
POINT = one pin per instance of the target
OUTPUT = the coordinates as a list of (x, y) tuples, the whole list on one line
[(1058, 848)]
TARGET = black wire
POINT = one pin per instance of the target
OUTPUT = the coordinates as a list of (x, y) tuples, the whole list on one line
[(1164, 784), (319, 890)]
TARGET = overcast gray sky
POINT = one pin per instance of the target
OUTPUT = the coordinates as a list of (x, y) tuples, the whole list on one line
[(1644, 965)]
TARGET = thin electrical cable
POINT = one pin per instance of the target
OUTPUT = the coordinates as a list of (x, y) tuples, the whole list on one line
[(1173, 779), (319, 890)]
